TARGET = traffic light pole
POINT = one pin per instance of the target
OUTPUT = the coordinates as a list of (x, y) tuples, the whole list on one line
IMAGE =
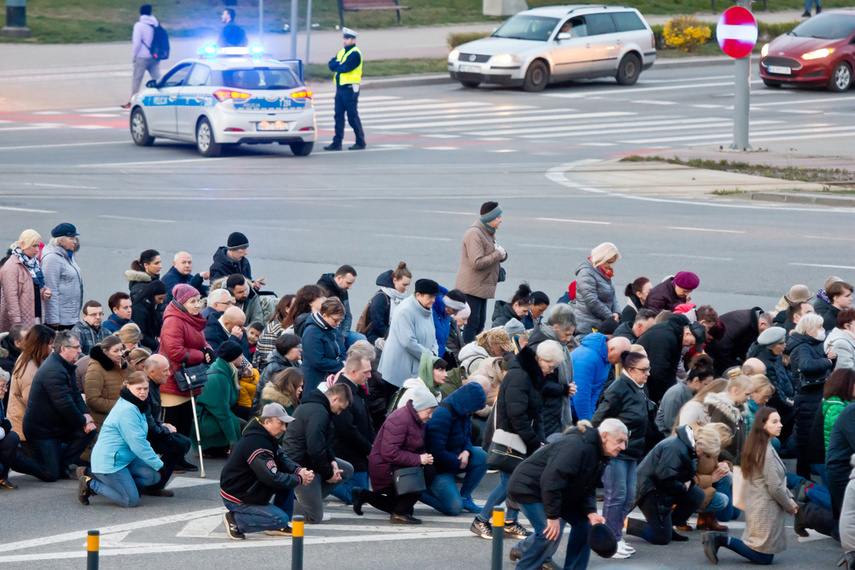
[(16, 20), (742, 97)]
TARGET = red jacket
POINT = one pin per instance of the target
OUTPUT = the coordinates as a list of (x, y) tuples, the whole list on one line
[(181, 337)]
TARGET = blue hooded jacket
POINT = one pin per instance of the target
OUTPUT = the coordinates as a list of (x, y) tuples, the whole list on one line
[(449, 429), (441, 321), (590, 371)]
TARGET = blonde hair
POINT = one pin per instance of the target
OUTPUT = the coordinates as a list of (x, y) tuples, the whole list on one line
[(28, 238), (498, 337), (808, 323), (724, 432), (130, 334), (762, 385), (139, 354), (709, 439), (492, 369), (740, 381), (603, 253), (135, 378), (550, 351)]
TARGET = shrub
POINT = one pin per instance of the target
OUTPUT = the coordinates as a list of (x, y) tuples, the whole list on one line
[(686, 33), (459, 38), (768, 32)]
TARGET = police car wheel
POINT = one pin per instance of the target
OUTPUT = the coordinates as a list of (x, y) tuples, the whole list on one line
[(139, 129), (302, 148), (205, 139), (628, 70)]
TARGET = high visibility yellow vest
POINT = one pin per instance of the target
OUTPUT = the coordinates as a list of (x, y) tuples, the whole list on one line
[(350, 77)]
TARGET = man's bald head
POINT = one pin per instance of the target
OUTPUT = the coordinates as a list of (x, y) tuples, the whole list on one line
[(616, 347), (157, 368), (183, 262), (753, 366), (482, 380), (233, 317)]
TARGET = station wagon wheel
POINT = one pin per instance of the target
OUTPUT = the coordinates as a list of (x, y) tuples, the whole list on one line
[(205, 139), (536, 76), (139, 129), (628, 70), (470, 84), (302, 148), (841, 78)]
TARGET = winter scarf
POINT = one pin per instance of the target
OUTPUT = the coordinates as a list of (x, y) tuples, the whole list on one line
[(126, 394), (395, 299), (322, 324), (32, 265)]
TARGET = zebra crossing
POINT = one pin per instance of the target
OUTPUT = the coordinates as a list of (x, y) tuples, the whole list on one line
[(644, 122)]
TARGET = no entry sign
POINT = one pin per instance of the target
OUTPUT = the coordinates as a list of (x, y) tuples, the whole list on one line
[(736, 32)]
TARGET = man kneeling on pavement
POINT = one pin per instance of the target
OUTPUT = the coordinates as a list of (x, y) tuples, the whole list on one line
[(256, 471)]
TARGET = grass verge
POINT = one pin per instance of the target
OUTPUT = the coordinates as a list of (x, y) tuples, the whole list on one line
[(382, 68)]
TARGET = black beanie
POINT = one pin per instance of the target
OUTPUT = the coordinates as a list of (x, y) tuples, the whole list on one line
[(229, 351), (488, 207), (427, 287), (237, 241)]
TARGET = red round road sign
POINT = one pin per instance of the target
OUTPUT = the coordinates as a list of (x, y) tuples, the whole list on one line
[(736, 32)]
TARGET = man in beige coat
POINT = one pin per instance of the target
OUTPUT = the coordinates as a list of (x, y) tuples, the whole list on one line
[(480, 260)]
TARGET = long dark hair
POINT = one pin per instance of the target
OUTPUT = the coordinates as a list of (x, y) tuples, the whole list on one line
[(282, 309), (634, 288), (306, 295), (146, 257), (36, 347), (287, 382), (754, 452), (840, 383)]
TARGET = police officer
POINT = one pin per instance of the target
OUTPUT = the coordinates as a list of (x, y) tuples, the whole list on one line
[(347, 66)]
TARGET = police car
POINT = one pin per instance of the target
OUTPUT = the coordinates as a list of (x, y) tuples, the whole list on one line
[(226, 97)]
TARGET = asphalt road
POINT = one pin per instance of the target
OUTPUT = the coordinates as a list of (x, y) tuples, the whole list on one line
[(435, 153)]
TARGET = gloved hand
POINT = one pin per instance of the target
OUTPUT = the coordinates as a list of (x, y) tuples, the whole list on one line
[(210, 355), (380, 343), (3, 433), (502, 250)]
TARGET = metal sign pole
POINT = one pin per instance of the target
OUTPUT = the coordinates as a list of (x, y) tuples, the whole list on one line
[(308, 27), (261, 22), (294, 28), (742, 97)]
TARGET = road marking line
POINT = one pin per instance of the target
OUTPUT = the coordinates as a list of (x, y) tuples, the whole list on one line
[(559, 116), (647, 120), (689, 256), (114, 109), (639, 90), (441, 148), (200, 528), (688, 229), (131, 219), (831, 238), (103, 115), (48, 113), (823, 265), (574, 221), (31, 210), (597, 144), (411, 237), (682, 126), (44, 185), (835, 100), (92, 127), (502, 150), (36, 127), (790, 133), (187, 482), (447, 212), (652, 102), (59, 145), (147, 163)]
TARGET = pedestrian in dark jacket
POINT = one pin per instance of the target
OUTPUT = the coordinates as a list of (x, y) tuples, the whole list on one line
[(672, 292), (769, 350), (146, 312), (393, 284), (666, 495), (449, 440), (11, 456), (664, 345), (228, 325), (337, 285), (560, 386), (517, 308), (182, 272), (88, 330), (596, 299), (286, 354), (810, 365), (518, 411), (57, 423), (839, 297), (400, 444), (163, 437), (626, 401), (322, 355), (445, 308), (219, 426), (841, 446), (632, 330), (557, 485), (353, 428), (121, 310), (741, 330), (257, 471), (231, 258), (309, 442), (700, 375), (636, 296)]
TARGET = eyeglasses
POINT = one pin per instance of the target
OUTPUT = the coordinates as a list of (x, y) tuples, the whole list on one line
[(644, 370), (74, 346)]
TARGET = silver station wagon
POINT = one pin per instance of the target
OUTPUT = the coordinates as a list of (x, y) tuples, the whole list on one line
[(558, 43)]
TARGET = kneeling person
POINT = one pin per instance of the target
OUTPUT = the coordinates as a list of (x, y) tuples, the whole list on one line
[(255, 471)]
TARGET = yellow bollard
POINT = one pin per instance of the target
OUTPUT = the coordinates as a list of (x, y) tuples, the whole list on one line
[(92, 543)]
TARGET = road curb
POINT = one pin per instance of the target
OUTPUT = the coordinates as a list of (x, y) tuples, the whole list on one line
[(792, 198)]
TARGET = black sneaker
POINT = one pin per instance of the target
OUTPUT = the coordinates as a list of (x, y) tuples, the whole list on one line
[(675, 537), (231, 527), (185, 465), (333, 146), (482, 529), (357, 494), (404, 519), (357, 147), (799, 522), (83, 490), (279, 531), (806, 14), (819, 10), (515, 530), (7, 485)]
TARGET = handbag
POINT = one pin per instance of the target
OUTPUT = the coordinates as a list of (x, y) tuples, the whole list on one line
[(409, 480), (190, 377), (507, 450), (740, 489), (502, 274)]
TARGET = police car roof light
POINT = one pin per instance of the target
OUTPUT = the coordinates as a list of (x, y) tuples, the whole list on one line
[(256, 49), (208, 49)]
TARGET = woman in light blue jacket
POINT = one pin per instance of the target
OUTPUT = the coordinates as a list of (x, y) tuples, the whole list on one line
[(595, 293), (123, 462), (411, 333)]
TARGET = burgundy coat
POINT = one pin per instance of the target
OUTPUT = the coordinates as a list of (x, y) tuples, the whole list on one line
[(182, 336), (399, 444), (663, 297)]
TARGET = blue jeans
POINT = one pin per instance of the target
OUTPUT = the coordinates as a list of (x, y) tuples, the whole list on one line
[(809, 2), (619, 481), (55, 455), (125, 485), (820, 495), (256, 518), (536, 548), (443, 494), (739, 547), (344, 491), (819, 469), (726, 511), (496, 497)]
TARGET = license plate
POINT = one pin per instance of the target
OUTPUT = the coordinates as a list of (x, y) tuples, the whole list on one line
[(272, 126), (470, 69), (780, 70)]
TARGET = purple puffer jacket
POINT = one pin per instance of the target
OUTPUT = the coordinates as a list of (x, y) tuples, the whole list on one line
[(399, 443)]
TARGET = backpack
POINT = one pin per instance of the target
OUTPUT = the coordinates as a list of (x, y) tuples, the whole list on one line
[(159, 47), (364, 322)]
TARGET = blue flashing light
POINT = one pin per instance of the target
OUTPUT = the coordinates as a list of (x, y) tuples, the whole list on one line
[(256, 49), (208, 49)]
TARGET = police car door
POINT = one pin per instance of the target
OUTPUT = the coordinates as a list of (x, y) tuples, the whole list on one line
[(160, 110), (192, 99)]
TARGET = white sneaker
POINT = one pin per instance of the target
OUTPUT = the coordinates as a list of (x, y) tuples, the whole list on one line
[(623, 546), (620, 555), (327, 517)]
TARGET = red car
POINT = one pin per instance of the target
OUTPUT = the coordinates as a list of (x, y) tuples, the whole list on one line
[(819, 51)]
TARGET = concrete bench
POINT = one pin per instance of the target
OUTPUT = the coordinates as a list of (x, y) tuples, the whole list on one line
[(360, 5)]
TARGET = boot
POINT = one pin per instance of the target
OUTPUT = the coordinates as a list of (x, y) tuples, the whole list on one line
[(799, 522), (706, 521), (712, 541), (848, 561)]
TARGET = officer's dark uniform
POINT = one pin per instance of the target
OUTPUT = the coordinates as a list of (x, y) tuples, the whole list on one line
[(347, 66)]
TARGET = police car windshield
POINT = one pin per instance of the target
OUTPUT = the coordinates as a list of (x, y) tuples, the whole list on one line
[(537, 28), (260, 78)]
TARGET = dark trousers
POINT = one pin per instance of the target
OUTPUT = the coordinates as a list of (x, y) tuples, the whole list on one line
[(388, 501), (181, 417), (660, 519), (55, 455), (11, 457), (477, 320), (171, 449), (345, 102)]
